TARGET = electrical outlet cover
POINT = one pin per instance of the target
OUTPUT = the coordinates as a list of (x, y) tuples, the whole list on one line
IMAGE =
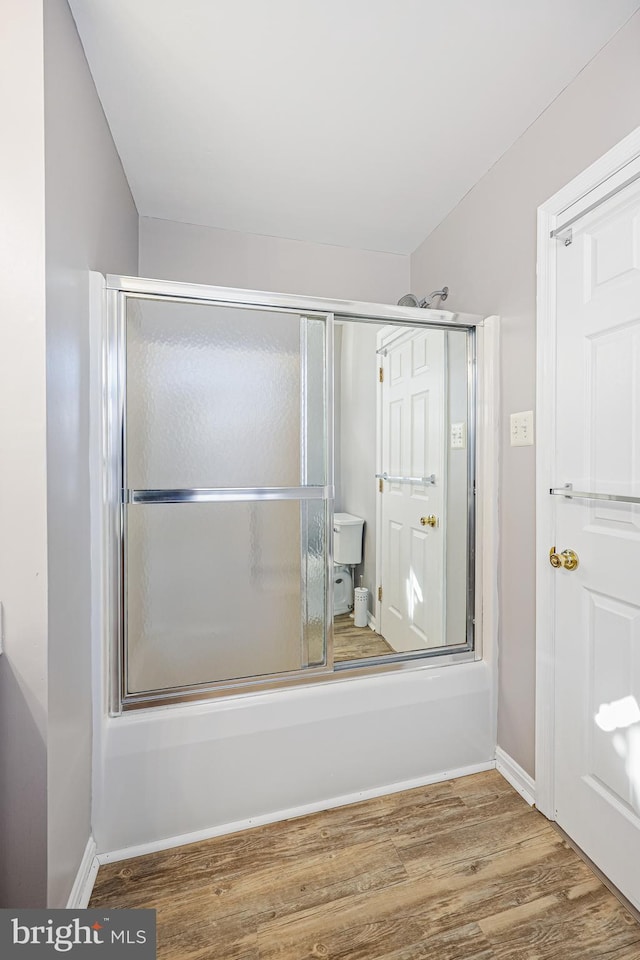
[(458, 436), (521, 432)]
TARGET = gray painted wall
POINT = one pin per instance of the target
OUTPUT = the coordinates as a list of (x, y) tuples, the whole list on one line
[(182, 251), (23, 534), (485, 250), (91, 224)]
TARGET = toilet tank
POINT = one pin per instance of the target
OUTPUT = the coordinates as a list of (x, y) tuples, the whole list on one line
[(347, 538)]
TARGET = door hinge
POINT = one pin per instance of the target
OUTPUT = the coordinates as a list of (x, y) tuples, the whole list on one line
[(379, 593), (380, 482), (380, 374)]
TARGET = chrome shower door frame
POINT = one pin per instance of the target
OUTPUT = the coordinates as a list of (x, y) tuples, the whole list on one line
[(117, 496)]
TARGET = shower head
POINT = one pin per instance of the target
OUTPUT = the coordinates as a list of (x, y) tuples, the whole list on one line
[(410, 300)]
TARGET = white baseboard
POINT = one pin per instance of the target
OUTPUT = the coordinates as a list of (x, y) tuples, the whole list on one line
[(85, 878), (166, 844), (516, 776)]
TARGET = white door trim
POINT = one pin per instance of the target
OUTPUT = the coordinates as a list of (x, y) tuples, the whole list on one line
[(488, 464), (601, 176)]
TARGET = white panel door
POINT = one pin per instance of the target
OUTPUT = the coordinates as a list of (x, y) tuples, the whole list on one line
[(597, 619), (413, 446)]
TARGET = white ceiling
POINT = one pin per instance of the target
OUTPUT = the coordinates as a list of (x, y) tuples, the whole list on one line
[(353, 122)]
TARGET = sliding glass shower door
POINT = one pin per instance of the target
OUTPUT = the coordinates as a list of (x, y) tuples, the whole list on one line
[(225, 493)]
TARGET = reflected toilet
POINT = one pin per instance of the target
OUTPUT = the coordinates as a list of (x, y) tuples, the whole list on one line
[(347, 552)]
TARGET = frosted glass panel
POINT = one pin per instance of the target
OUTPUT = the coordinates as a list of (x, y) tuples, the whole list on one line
[(314, 561), (213, 396), (314, 401), (216, 591)]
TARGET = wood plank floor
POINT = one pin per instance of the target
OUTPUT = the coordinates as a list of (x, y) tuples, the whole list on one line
[(462, 870), (355, 643)]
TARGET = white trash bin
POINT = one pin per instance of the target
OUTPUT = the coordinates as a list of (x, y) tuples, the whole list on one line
[(360, 604)]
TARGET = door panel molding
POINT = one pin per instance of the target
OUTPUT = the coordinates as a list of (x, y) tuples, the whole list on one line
[(411, 439), (591, 186)]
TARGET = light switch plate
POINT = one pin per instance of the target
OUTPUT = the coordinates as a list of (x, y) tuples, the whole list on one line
[(458, 436), (522, 429)]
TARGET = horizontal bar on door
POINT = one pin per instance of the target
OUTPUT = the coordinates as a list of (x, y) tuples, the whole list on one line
[(219, 494), (570, 494), (429, 481), (593, 206)]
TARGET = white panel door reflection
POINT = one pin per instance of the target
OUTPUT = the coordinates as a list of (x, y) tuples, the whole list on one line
[(413, 522)]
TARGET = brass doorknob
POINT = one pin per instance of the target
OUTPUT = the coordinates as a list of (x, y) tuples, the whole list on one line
[(430, 521), (567, 559)]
